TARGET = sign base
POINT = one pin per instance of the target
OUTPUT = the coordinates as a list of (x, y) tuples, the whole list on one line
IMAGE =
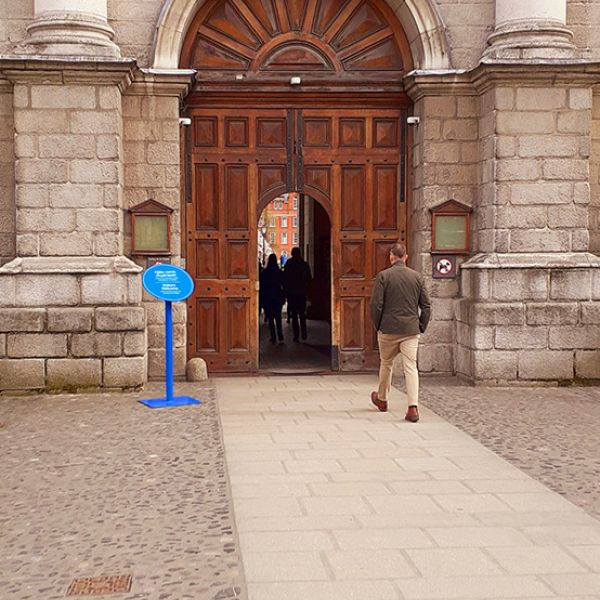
[(165, 403)]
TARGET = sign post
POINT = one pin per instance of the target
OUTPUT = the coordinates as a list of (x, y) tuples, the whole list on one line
[(170, 284)]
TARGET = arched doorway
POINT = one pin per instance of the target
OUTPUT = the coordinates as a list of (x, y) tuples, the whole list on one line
[(297, 221), (301, 96)]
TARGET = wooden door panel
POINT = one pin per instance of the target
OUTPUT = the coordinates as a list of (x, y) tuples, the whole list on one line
[(385, 197), (352, 320), (205, 132), (316, 133), (236, 132), (235, 159), (352, 133), (385, 133), (271, 178), (236, 197), (207, 259), (271, 133), (237, 259), (362, 173), (352, 260), (207, 325), (238, 334), (353, 197)]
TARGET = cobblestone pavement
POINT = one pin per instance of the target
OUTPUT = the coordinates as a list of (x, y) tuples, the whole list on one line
[(96, 485), (552, 433)]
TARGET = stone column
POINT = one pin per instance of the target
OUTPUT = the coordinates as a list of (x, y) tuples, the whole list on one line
[(71, 28), (530, 29)]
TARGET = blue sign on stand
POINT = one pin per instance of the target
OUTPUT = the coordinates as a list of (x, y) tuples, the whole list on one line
[(171, 284)]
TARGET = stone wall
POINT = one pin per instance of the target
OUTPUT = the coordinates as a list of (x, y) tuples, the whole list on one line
[(68, 170), (536, 169), (152, 170), (7, 174), (583, 17), (445, 166), (468, 25), (70, 325), (520, 325)]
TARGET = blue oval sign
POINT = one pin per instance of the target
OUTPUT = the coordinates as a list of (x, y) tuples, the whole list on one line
[(168, 282)]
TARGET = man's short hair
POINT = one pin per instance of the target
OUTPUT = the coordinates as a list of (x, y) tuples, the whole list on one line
[(296, 253), (398, 249)]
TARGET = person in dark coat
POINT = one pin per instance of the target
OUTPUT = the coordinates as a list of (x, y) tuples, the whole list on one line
[(296, 279), (272, 295), (400, 310)]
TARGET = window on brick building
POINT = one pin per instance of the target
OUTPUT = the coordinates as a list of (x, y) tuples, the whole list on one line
[(295, 238), (284, 237), (284, 222), (295, 222), (272, 237)]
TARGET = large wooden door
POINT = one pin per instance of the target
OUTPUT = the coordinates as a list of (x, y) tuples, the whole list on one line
[(355, 160), (351, 161), (236, 157), (292, 95)]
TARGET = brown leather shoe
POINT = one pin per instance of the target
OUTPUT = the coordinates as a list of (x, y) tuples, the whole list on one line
[(380, 404), (412, 414)]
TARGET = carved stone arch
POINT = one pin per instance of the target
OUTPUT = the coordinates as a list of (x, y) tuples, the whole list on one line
[(420, 20)]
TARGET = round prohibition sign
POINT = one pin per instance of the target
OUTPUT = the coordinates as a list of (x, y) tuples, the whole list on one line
[(443, 266)]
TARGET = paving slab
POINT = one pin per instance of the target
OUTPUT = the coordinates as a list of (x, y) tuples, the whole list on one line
[(399, 511)]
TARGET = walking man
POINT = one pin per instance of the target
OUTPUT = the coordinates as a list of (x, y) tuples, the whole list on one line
[(400, 310), (296, 279)]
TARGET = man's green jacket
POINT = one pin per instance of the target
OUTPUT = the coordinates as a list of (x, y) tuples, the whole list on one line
[(400, 302)]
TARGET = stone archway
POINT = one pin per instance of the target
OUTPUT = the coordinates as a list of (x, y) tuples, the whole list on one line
[(420, 19)]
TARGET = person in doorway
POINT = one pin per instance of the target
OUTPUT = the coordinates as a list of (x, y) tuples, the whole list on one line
[(271, 289), (400, 310), (296, 279)]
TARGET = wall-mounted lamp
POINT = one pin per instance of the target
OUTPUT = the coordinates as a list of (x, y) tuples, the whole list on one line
[(295, 80), (185, 121), (413, 120)]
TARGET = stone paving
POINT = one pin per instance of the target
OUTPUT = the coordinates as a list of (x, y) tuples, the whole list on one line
[(328, 498), (550, 433), (336, 501), (97, 485)]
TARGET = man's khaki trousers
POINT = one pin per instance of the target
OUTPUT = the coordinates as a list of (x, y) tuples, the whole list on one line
[(390, 345)]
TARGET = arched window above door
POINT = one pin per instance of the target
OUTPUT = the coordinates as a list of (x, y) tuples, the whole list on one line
[(337, 42)]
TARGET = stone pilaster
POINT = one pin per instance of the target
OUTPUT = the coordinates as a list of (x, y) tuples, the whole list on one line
[(71, 28), (7, 173), (70, 308), (445, 166), (529, 304), (530, 29), (153, 139)]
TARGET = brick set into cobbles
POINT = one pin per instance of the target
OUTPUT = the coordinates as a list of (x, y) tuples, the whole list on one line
[(551, 433), (97, 485)]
